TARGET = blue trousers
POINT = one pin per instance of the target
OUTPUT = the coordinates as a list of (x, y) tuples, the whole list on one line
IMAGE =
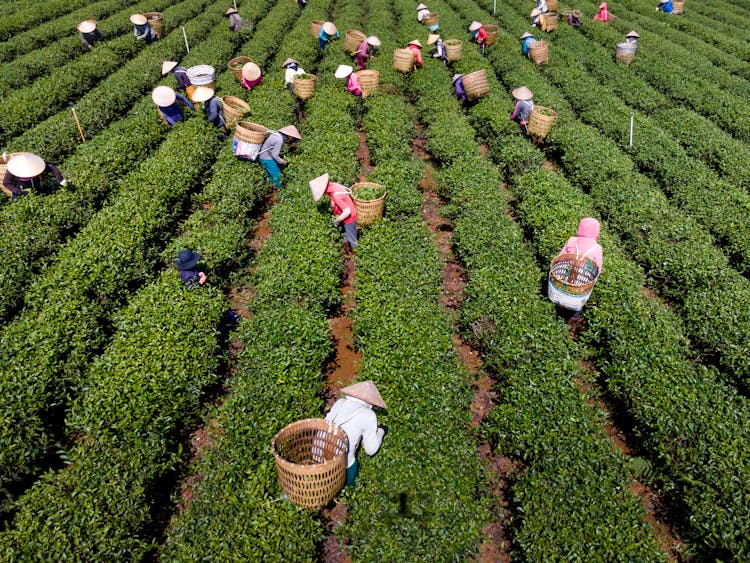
[(273, 172), (351, 473), (350, 234)]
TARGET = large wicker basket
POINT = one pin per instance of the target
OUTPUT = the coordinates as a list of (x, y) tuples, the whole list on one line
[(541, 120), (552, 5), (403, 60), (625, 53), (492, 31), (352, 40), (310, 461), (548, 21), (234, 110), (571, 280), (678, 7), (369, 211), (431, 19), (202, 75), (611, 18), (453, 49), (156, 21), (315, 26), (250, 132), (236, 64), (304, 87), (368, 80), (476, 84), (539, 52)]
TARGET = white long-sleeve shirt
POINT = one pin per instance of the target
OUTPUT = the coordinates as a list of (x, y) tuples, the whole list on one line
[(421, 14), (289, 74), (360, 424)]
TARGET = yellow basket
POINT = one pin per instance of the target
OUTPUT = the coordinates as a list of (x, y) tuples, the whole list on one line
[(368, 80), (403, 60), (352, 39), (155, 20), (304, 87), (453, 49)]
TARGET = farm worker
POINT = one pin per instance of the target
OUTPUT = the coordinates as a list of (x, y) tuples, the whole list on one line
[(328, 32), (478, 34), (535, 15), (291, 68), (187, 262), (211, 105), (439, 49), (524, 105), (167, 101), (251, 76), (574, 18), (26, 170), (585, 245), (422, 11), (235, 20), (416, 47), (458, 84), (180, 73), (342, 206), (352, 80), (141, 29), (89, 33), (631, 39), (302, 4), (354, 414), (366, 50), (665, 6), (542, 5), (526, 40), (270, 152), (602, 15)]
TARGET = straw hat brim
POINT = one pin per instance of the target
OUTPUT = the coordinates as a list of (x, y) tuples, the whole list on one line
[(522, 93), (367, 392), (163, 96), (318, 186), (167, 66), (287, 62), (421, 7), (525, 35), (191, 259), (251, 71), (374, 41), (202, 94), (230, 11), (138, 19), (456, 77), (432, 38), (416, 42), (26, 165), (474, 26), (290, 131), (535, 12), (343, 71), (86, 26), (329, 28), (633, 34)]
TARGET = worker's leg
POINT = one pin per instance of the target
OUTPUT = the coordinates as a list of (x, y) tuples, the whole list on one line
[(273, 172), (350, 234), (351, 473)]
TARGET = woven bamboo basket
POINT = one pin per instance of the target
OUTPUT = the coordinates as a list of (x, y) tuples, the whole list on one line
[(611, 19), (234, 110), (368, 211), (156, 21), (552, 5), (304, 87), (352, 39), (250, 132), (403, 60), (476, 84), (431, 19), (573, 275), (315, 26), (202, 75), (4, 168), (548, 21), (236, 64), (625, 53), (539, 52), (541, 121), (310, 461), (453, 49), (677, 7), (492, 31), (369, 80)]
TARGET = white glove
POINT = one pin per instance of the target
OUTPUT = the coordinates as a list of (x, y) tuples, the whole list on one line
[(63, 182)]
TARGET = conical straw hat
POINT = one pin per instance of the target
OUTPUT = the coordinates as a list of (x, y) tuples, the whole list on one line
[(25, 165), (251, 71), (421, 7), (535, 12), (343, 71), (522, 93), (456, 77), (291, 131), (329, 28), (288, 62), (525, 35), (202, 93), (230, 11), (632, 34), (432, 38), (166, 66), (318, 186), (367, 392), (373, 40), (138, 19), (415, 42), (86, 26), (474, 25), (163, 96)]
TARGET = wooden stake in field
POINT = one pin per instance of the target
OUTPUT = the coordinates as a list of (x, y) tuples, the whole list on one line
[(186, 41), (78, 123), (632, 115)]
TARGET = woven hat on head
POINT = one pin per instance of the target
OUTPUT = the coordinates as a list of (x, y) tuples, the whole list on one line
[(421, 7), (163, 96), (186, 259), (632, 34), (415, 42), (290, 131), (250, 71), (86, 26), (329, 28), (535, 12), (373, 40), (166, 66), (456, 77), (522, 93), (473, 26), (25, 165), (525, 35), (433, 37), (318, 186), (343, 71), (230, 11), (202, 94), (367, 392), (288, 62), (138, 19), (577, 13)]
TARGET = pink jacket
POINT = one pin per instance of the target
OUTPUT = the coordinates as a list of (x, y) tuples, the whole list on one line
[(603, 14), (353, 85), (417, 54), (586, 241)]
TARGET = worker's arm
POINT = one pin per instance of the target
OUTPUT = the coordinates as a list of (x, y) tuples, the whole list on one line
[(56, 172), (372, 438), (274, 147), (185, 101)]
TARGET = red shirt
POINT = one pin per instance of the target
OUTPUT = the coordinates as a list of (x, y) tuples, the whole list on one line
[(481, 35), (340, 200), (417, 54)]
